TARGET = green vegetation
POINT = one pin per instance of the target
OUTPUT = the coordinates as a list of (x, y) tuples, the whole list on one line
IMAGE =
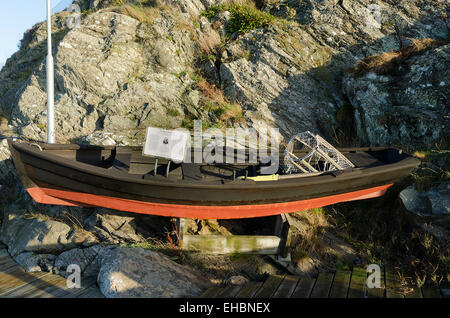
[(244, 17), (212, 11)]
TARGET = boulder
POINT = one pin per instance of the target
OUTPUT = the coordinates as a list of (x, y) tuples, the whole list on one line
[(414, 201), (433, 202), (42, 236), (85, 258), (32, 262), (439, 198), (24, 232), (135, 272)]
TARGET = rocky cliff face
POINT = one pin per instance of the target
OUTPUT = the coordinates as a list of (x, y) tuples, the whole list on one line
[(164, 63), (129, 67)]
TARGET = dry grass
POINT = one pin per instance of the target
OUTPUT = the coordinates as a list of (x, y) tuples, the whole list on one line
[(382, 231), (213, 100), (387, 62), (307, 234), (141, 13)]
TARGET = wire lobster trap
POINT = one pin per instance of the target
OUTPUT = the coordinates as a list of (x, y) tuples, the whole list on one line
[(320, 157)]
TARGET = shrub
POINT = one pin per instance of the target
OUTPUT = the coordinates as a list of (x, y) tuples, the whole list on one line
[(244, 18), (212, 11)]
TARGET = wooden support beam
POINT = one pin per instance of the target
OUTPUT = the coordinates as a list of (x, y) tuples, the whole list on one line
[(285, 235), (229, 244)]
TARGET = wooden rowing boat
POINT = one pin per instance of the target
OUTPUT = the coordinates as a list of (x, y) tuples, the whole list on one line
[(121, 178)]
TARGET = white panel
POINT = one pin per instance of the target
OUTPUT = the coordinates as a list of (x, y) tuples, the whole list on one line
[(167, 144)]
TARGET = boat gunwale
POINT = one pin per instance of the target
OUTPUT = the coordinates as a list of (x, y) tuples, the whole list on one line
[(407, 162)]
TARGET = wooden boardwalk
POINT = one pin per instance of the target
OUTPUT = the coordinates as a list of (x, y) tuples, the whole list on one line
[(15, 282), (341, 284)]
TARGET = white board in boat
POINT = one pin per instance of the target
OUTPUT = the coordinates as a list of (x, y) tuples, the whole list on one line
[(167, 144)]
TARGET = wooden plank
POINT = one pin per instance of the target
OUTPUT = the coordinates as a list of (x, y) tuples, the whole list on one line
[(17, 279), (42, 283), (229, 244), (393, 286), (431, 291), (91, 292), (59, 288), (287, 287), (8, 265), (249, 290), (378, 292), (5, 258), (4, 253), (323, 285), (357, 287), (269, 287), (10, 273), (17, 274), (86, 283), (56, 289), (211, 292), (304, 288), (229, 291), (341, 283)]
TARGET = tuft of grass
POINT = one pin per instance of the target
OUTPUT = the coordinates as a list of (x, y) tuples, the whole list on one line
[(214, 101), (144, 14), (386, 63), (245, 16)]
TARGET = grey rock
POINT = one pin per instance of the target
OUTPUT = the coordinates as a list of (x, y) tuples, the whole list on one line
[(414, 201), (35, 262), (41, 237), (237, 280), (440, 199), (82, 257), (113, 225), (134, 272)]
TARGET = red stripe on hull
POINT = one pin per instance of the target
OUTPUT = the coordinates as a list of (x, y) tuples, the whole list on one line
[(62, 197)]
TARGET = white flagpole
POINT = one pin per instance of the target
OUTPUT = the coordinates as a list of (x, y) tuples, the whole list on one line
[(50, 80)]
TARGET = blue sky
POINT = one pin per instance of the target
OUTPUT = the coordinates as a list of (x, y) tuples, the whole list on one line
[(18, 16)]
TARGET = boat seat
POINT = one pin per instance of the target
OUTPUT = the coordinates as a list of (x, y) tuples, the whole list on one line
[(363, 159), (191, 171), (122, 162)]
